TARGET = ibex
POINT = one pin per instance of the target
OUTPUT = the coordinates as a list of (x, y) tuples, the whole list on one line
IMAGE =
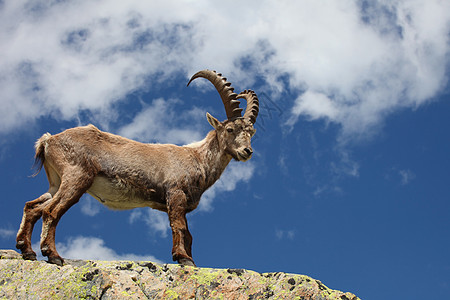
[(125, 174)]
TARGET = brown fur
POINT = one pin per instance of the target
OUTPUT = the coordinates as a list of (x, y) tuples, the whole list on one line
[(124, 174)]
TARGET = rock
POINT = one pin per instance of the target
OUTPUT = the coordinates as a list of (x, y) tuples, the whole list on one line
[(9, 254), (21, 279)]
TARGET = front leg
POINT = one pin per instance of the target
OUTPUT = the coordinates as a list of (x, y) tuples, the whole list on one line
[(182, 238)]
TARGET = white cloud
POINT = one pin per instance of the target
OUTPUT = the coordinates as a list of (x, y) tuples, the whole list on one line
[(6, 233), (315, 105), (356, 61), (94, 249), (233, 174), (89, 206), (285, 234), (406, 176), (327, 188), (345, 166), (156, 220), (63, 57), (360, 72), (160, 123)]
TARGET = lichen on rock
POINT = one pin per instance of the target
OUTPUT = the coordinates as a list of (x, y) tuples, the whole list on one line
[(21, 279)]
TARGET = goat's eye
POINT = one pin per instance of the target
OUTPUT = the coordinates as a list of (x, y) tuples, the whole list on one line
[(229, 129)]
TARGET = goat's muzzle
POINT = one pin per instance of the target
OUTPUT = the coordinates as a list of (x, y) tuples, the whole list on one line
[(244, 154)]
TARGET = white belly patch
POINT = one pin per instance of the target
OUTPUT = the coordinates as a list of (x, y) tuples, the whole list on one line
[(118, 196)]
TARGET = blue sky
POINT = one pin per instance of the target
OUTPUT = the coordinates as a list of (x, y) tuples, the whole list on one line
[(349, 182)]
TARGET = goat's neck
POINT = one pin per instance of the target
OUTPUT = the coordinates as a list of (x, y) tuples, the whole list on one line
[(213, 156)]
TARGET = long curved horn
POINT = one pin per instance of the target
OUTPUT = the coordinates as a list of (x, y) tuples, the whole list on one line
[(252, 108), (229, 98)]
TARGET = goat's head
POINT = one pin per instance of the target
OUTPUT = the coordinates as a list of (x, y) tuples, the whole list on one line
[(235, 133)]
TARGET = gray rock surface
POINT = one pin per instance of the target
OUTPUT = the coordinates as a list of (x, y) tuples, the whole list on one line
[(86, 279)]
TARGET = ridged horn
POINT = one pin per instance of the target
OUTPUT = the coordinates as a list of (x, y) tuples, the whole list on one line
[(229, 98), (252, 108)]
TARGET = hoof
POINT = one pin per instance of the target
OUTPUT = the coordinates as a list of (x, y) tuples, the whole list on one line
[(56, 260), (186, 262), (29, 256)]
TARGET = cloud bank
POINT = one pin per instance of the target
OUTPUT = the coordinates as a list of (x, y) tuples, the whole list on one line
[(347, 62), (93, 248)]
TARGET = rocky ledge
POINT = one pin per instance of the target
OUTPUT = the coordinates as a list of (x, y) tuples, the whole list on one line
[(21, 279)]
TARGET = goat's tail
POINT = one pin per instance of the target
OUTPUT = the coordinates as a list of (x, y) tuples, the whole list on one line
[(39, 157)]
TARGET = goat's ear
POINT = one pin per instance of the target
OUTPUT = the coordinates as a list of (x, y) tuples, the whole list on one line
[(213, 121)]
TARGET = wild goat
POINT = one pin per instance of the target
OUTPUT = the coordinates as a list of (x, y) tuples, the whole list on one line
[(124, 174)]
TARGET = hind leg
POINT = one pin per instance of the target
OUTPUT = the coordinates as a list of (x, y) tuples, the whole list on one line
[(73, 186), (31, 213)]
